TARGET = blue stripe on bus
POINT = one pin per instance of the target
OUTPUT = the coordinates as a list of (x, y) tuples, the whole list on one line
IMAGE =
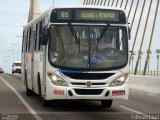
[(70, 71)]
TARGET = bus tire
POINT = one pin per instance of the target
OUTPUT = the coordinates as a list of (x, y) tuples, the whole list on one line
[(28, 91), (44, 102), (106, 103)]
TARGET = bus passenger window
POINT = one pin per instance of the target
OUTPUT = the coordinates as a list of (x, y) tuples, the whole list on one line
[(26, 42), (36, 37), (29, 41), (40, 35)]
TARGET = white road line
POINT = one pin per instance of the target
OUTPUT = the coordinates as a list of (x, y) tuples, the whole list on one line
[(135, 111), (31, 110)]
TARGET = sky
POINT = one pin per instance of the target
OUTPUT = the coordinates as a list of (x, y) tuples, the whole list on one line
[(14, 15)]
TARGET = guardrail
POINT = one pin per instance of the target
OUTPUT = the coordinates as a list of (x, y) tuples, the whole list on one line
[(150, 73), (147, 84)]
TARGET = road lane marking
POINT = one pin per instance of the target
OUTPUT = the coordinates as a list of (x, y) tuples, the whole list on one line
[(135, 111), (31, 110)]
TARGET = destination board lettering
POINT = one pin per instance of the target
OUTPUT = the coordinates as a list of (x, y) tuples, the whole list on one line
[(97, 15)]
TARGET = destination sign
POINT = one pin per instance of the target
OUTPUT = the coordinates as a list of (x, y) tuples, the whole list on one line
[(88, 15), (97, 15)]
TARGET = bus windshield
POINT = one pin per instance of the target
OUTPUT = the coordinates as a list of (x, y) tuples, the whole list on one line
[(88, 47), (17, 64)]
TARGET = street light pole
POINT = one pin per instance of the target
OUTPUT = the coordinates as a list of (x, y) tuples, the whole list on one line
[(8, 63), (13, 44), (4, 63), (10, 53), (18, 36)]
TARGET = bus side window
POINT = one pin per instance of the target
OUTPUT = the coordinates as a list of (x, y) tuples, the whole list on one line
[(26, 40), (40, 35), (36, 37), (29, 40)]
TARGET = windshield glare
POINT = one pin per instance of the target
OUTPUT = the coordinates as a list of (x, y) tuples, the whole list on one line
[(88, 47)]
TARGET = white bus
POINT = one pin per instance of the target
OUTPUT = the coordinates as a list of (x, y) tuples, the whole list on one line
[(77, 53)]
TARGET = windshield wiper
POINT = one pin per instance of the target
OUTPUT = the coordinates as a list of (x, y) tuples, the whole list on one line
[(73, 33), (103, 32)]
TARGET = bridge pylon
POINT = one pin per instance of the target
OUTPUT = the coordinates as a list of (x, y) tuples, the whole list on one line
[(34, 10)]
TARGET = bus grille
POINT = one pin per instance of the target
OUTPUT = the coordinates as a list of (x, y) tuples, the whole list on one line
[(88, 91), (85, 83), (88, 76)]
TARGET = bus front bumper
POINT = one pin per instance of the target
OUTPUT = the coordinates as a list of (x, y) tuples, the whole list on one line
[(54, 92)]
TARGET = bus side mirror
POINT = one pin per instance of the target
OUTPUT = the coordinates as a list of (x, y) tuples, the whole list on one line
[(44, 37), (129, 33)]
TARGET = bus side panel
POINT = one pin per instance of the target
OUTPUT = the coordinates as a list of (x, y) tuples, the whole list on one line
[(28, 58), (38, 68)]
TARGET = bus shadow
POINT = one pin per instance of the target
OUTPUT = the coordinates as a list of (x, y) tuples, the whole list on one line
[(80, 105), (69, 105)]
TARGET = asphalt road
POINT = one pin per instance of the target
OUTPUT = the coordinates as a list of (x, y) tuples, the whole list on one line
[(15, 104)]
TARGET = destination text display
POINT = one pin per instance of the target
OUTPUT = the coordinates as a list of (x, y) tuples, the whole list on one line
[(97, 15), (88, 16)]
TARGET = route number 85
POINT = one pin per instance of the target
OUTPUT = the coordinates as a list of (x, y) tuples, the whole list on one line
[(64, 14)]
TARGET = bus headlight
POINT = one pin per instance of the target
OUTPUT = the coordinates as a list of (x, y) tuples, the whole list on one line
[(119, 81), (56, 80)]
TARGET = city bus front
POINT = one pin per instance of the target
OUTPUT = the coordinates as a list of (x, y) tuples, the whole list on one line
[(88, 55)]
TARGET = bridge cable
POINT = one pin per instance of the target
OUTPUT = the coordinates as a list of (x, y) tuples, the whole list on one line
[(130, 9), (104, 2), (92, 2), (98, 2), (121, 4), (126, 5), (112, 3), (150, 42), (117, 3), (101, 2), (144, 31), (95, 2), (108, 2), (134, 14)]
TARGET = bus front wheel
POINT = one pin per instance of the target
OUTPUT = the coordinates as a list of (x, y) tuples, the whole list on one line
[(106, 103)]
